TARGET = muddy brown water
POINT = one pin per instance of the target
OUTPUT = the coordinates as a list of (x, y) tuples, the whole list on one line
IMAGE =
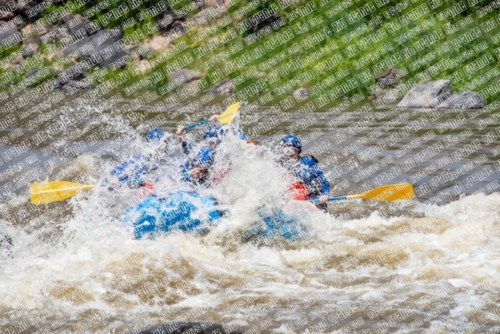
[(429, 265)]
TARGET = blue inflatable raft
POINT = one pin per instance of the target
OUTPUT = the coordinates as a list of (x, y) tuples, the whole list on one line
[(189, 211)]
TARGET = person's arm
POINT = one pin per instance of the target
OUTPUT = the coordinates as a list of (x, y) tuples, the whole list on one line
[(324, 188), (186, 146), (317, 180), (130, 172)]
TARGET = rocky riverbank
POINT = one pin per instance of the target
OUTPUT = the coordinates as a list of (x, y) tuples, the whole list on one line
[(286, 52)]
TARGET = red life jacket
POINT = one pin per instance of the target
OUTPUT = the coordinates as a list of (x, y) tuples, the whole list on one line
[(299, 192), (147, 190)]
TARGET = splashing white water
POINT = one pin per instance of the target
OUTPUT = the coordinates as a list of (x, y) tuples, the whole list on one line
[(371, 266)]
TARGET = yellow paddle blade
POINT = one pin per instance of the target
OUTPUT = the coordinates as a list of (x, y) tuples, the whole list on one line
[(48, 192), (393, 192), (230, 113)]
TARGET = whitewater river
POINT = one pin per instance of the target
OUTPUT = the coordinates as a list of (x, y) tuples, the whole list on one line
[(430, 265)]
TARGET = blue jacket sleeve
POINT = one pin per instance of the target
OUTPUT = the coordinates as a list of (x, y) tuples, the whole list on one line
[(313, 176), (240, 133), (131, 171)]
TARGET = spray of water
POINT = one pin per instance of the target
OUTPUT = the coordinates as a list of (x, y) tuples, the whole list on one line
[(82, 262)]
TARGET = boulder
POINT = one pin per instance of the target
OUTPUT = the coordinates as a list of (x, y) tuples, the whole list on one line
[(77, 22), (31, 72), (22, 8), (386, 78), (183, 76), (145, 52), (100, 47), (465, 100), (7, 15), (7, 8), (74, 72), (9, 35), (300, 93), (167, 18), (256, 24), (224, 87), (179, 27), (187, 327), (428, 95), (73, 85)]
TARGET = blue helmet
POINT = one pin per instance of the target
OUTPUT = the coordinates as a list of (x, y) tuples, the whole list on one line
[(214, 132), (154, 135), (291, 140)]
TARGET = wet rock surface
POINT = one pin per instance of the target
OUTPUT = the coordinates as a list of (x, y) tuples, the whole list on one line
[(465, 100), (187, 327), (386, 78), (102, 47), (183, 76), (300, 93), (427, 95), (224, 87)]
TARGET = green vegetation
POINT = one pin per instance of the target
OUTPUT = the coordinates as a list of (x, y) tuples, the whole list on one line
[(334, 48)]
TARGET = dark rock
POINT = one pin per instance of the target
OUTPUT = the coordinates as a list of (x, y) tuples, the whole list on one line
[(225, 87), (186, 327), (7, 15), (256, 24), (179, 27), (300, 93), (77, 22), (386, 78), (35, 75), (168, 18), (183, 76), (31, 73), (73, 86), (465, 100), (74, 72), (100, 48), (427, 95), (8, 7), (166, 22), (9, 35)]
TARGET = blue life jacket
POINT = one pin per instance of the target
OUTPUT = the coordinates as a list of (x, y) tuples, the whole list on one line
[(203, 159), (132, 171), (307, 169)]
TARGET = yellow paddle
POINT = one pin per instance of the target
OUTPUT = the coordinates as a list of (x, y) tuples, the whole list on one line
[(54, 191), (226, 117), (392, 192)]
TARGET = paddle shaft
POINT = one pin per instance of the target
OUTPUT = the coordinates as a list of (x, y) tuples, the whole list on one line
[(337, 198), (194, 125), (389, 192)]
